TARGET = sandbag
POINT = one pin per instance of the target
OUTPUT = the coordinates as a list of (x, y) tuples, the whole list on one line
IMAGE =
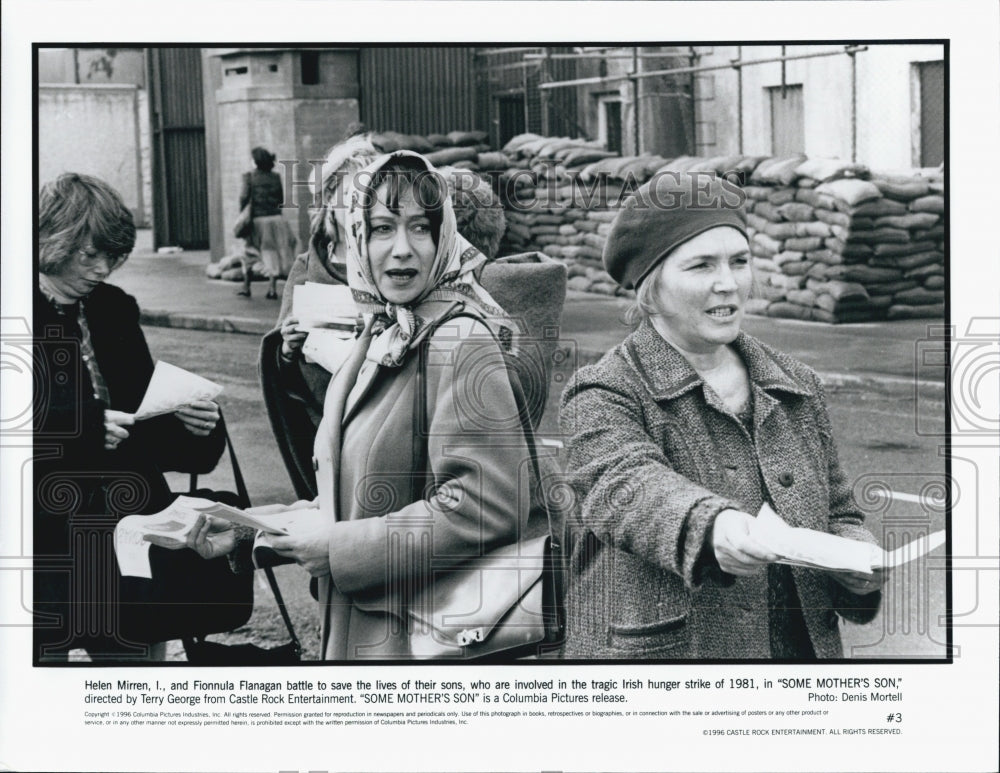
[(803, 243), (903, 311), (756, 192), (815, 199), (906, 262), (787, 310), (902, 189), (765, 244), (780, 231), (788, 256), (934, 282), (450, 156), (851, 192), (926, 270), (908, 248), (933, 204), (909, 222), (919, 296), (467, 138), (767, 210), (802, 297), (813, 228), (797, 212), (797, 269), (879, 208), (781, 196), (778, 171), (826, 169)]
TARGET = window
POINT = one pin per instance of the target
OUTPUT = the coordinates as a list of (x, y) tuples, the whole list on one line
[(310, 68), (929, 150), (510, 116), (787, 120), (609, 121)]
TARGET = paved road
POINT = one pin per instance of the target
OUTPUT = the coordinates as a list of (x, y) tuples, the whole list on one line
[(876, 438)]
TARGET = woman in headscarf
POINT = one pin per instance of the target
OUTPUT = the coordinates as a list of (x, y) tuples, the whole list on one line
[(679, 435), (420, 444)]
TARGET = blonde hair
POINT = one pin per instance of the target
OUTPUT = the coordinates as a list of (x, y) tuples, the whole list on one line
[(342, 160)]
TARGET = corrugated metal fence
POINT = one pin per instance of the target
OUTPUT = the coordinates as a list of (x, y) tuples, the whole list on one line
[(421, 90), (177, 120)]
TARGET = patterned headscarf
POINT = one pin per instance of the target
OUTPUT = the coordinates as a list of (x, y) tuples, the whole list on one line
[(400, 328)]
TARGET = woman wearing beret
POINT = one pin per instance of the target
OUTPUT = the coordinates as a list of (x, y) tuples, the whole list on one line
[(678, 436), (94, 463)]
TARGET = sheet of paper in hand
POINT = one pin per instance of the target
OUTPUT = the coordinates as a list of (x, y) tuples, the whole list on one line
[(171, 387), (821, 550), (264, 553), (167, 528), (327, 348), (242, 517), (317, 305)]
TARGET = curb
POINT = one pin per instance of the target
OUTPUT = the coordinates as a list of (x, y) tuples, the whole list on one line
[(244, 325), (887, 385)]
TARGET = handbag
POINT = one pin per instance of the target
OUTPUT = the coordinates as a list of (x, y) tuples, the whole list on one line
[(503, 605), (243, 227), (188, 595)]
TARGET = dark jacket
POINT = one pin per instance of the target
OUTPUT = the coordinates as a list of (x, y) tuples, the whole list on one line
[(654, 456), (264, 190), (82, 490)]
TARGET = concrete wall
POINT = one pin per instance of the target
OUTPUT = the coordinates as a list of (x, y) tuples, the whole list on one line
[(93, 129), (268, 105), (92, 65), (885, 124)]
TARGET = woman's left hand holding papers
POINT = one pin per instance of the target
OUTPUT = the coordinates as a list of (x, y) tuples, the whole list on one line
[(199, 417)]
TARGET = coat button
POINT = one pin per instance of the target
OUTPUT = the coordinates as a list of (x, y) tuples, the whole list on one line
[(786, 479)]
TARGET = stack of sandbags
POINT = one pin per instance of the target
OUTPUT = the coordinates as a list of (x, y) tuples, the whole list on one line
[(839, 248), (460, 149)]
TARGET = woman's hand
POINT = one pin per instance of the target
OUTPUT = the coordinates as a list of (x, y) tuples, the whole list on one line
[(114, 428), (309, 547), (199, 417), (735, 549), (859, 583), (211, 537), (292, 337)]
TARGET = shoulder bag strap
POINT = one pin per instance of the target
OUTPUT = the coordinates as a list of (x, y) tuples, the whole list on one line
[(273, 582), (420, 420), (241, 486)]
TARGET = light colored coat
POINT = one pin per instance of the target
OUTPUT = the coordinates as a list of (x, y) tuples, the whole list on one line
[(654, 456), (387, 537)]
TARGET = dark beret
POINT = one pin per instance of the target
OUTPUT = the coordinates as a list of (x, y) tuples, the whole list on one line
[(663, 214)]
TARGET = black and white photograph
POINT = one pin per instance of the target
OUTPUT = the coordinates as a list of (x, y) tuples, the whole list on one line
[(598, 377)]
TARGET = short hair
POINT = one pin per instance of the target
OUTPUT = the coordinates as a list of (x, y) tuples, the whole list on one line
[(479, 214), (409, 173), (263, 159), (75, 207), (644, 306)]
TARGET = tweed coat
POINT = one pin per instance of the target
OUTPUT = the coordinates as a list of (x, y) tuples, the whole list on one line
[(391, 532), (653, 456)]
